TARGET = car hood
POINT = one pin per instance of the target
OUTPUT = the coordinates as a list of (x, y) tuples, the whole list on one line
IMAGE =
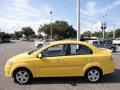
[(21, 57)]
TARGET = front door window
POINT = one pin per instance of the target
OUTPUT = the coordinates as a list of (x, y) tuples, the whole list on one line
[(57, 50)]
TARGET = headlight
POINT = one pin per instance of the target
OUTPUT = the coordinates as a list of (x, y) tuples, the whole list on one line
[(9, 62)]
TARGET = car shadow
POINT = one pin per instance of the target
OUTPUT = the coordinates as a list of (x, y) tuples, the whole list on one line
[(111, 78), (116, 51)]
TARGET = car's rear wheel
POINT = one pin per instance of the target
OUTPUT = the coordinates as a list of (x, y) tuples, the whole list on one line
[(93, 75), (22, 76)]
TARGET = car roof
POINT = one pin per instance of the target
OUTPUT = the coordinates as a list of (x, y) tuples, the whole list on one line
[(69, 41), (90, 41)]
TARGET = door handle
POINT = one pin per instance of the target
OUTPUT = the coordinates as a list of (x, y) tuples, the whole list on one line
[(60, 61), (89, 59)]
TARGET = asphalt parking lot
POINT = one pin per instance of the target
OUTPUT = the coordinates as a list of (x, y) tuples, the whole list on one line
[(109, 82)]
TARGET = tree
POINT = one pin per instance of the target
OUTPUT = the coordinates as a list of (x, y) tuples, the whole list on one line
[(117, 33), (87, 34), (109, 35), (4, 36), (97, 34), (28, 32), (17, 34), (60, 29)]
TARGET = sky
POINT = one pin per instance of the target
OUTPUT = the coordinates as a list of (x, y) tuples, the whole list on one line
[(15, 14)]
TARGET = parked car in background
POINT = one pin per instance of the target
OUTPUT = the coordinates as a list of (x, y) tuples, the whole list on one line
[(116, 41), (0, 40), (23, 39), (41, 42), (61, 59), (103, 44), (108, 41)]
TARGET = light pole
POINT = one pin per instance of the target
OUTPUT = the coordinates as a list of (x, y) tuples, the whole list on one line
[(78, 20), (51, 24), (104, 26), (114, 28), (114, 34)]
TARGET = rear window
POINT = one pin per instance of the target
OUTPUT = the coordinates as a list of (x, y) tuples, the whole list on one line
[(101, 42), (95, 42)]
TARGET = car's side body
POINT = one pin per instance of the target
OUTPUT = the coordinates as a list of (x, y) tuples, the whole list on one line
[(63, 65), (116, 41), (40, 43), (74, 65)]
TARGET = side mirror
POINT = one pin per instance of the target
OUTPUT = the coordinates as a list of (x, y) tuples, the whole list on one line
[(40, 56)]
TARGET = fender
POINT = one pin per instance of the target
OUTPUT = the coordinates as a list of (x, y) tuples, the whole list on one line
[(25, 65), (89, 65)]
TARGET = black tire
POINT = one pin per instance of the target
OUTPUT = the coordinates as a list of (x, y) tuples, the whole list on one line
[(112, 49), (22, 76), (39, 46), (95, 77)]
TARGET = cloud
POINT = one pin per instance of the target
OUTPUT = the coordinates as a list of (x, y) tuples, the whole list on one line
[(90, 9), (9, 25), (97, 26), (111, 6), (91, 15), (21, 9), (92, 27), (20, 13)]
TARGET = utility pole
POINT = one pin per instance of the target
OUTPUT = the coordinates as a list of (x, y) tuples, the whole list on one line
[(51, 24), (103, 26), (78, 20), (114, 31)]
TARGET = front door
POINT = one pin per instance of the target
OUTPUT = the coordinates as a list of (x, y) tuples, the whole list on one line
[(51, 63)]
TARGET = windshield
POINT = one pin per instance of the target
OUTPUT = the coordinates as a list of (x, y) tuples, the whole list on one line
[(101, 42), (33, 51), (108, 41), (37, 48)]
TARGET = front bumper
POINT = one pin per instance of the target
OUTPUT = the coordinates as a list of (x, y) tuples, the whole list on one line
[(7, 70)]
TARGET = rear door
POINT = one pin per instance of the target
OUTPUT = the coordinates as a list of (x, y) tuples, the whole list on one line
[(77, 56)]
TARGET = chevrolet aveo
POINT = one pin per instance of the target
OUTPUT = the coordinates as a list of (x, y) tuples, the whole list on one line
[(61, 59)]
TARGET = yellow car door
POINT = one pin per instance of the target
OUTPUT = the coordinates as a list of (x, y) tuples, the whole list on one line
[(51, 63), (77, 56)]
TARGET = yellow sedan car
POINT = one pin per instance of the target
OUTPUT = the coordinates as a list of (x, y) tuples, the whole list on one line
[(61, 59)]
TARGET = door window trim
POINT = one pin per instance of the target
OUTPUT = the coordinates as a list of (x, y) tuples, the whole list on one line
[(81, 54), (67, 48), (53, 46)]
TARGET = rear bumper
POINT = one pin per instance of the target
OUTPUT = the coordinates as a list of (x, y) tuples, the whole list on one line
[(109, 69)]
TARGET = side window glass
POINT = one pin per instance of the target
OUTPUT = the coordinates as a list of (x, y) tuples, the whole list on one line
[(101, 42), (95, 43), (58, 50), (80, 50), (73, 49)]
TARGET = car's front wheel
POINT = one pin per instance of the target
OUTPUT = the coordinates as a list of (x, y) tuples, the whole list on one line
[(22, 76), (93, 75)]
